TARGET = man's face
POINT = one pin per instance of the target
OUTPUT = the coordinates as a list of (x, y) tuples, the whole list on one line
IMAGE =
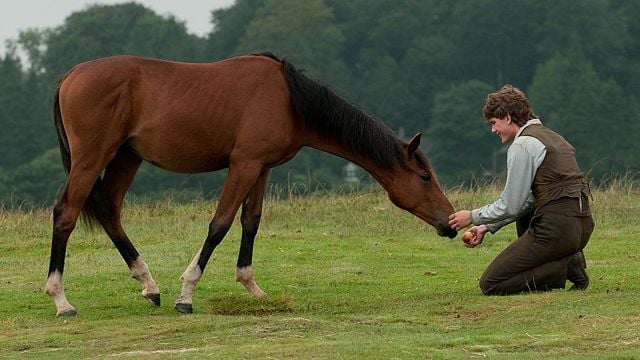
[(504, 128)]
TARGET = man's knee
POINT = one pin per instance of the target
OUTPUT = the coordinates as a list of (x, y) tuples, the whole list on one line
[(487, 287)]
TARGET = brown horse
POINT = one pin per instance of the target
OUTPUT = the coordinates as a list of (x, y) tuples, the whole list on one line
[(248, 114)]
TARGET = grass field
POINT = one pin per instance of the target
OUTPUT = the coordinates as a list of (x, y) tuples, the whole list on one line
[(347, 276)]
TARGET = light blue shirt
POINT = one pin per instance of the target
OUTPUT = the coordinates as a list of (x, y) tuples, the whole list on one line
[(524, 157)]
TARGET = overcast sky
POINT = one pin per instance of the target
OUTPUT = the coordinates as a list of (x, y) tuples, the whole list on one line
[(16, 15)]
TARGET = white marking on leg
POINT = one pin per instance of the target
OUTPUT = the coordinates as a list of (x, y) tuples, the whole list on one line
[(55, 289), (244, 275), (190, 279), (140, 272)]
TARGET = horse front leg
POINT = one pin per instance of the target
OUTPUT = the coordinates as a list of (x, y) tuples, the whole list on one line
[(250, 218), (241, 178)]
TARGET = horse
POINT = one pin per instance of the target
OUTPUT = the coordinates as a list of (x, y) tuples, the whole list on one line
[(248, 114)]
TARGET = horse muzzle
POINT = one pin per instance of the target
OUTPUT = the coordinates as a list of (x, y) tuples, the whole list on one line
[(446, 230)]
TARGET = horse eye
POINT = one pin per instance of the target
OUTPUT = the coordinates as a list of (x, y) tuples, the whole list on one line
[(426, 177)]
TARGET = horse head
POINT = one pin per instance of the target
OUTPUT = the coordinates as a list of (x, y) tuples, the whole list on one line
[(415, 188)]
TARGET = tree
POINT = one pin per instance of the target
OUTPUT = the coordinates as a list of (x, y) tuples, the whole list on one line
[(587, 110), (106, 30), (33, 42), (24, 134), (461, 148), (11, 89), (36, 182), (387, 96), (164, 38), (572, 25), (425, 69), (97, 31), (304, 32), (496, 41), (626, 15), (229, 26)]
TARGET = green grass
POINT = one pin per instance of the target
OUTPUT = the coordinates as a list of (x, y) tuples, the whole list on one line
[(347, 276)]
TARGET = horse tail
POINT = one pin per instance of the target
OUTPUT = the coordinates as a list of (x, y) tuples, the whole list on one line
[(63, 142), (96, 208)]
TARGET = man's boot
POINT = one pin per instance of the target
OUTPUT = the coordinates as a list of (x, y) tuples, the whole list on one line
[(576, 272)]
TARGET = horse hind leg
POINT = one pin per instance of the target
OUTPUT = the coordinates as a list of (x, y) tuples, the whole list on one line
[(117, 179), (250, 219), (64, 219), (65, 216)]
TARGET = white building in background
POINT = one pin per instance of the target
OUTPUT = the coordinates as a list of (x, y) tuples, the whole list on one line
[(350, 173)]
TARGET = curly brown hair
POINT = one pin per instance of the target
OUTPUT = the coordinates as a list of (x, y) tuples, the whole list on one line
[(509, 101)]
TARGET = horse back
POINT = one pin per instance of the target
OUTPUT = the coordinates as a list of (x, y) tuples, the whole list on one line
[(186, 117)]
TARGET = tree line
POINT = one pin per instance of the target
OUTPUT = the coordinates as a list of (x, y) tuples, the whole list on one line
[(419, 65)]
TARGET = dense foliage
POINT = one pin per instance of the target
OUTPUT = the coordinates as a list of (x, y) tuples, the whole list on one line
[(420, 65)]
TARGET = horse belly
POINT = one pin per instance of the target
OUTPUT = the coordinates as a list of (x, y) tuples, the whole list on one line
[(183, 151)]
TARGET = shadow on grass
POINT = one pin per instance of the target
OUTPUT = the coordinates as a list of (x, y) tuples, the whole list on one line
[(245, 305)]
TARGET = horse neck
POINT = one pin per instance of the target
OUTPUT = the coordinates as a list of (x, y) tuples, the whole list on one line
[(384, 175)]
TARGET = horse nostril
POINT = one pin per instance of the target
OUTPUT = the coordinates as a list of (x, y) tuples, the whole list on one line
[(450, 232), (446, 230)]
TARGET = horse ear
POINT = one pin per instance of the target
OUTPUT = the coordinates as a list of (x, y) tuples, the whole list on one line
[(414, 144)]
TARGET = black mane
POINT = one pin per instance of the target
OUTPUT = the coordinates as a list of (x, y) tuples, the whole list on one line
[(333, 117)]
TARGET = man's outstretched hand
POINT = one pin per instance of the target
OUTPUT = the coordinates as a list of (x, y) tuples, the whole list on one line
[(460, 220)]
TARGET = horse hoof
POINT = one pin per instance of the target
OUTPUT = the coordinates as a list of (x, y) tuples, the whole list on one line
[(184, 308), (68, 313), (153, 298)]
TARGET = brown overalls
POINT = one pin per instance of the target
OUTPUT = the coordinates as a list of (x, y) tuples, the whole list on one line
[(560, 225)]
